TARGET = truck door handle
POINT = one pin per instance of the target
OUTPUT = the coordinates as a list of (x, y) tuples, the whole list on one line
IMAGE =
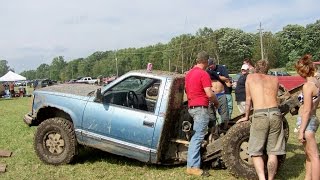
[(148, 123)]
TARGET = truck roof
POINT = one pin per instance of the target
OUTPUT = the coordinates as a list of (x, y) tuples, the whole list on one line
[(291, 82), (77, 89), (157, 73)]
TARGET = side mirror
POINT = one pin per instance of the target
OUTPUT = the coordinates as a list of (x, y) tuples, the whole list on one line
[(97, 95)]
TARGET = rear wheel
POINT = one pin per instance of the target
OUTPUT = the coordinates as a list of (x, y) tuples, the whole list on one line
[(55, 141), (235, 150)]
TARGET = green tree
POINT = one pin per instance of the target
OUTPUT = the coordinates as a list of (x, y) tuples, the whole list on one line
[(311, 40), (293, 56), (43, 71), (56, 68), (30, 74), (290, 39), (271, 48), (4, 67), (234, 45)]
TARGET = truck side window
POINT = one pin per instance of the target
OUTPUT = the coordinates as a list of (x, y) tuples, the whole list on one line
[(132, 92)]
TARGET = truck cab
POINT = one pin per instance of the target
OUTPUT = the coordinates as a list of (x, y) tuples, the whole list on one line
[(134, 116)]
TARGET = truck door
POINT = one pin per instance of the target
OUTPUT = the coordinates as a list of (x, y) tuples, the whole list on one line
[(126, 125)]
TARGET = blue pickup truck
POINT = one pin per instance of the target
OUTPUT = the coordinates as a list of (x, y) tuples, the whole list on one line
[(141, 115)]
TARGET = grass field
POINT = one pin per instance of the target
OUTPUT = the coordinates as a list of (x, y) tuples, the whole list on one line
[(94, 164)]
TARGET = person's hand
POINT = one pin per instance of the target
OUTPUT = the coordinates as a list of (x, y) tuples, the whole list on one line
[(242, 119), (301, 138)]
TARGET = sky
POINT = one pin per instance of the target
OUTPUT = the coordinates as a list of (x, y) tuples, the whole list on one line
[(33, 32)]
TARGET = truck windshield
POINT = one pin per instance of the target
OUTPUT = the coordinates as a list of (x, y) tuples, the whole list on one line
[(133, 83)]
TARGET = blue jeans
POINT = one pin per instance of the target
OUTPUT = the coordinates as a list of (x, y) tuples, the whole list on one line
[(223, 109), (312, 125), (230, 104), (200, 127)]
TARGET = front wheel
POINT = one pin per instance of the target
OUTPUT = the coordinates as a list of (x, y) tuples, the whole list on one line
[(55, 141)]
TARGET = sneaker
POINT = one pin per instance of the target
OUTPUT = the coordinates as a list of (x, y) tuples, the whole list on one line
[(197, 172)]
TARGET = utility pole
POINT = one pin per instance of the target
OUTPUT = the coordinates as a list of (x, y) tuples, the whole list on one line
[(261, 44), (182, 63), (181, 50), (72, 72), (182, 55), (117, 65)]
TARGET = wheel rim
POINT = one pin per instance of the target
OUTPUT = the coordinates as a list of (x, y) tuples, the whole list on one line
[(244, 155), (54, 143)]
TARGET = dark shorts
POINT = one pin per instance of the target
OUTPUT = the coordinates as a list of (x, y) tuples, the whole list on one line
[(266, 133)]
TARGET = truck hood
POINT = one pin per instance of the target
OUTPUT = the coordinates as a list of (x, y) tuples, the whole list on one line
[(77, 89)]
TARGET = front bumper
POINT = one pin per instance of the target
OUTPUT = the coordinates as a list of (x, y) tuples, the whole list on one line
[(28, 119)]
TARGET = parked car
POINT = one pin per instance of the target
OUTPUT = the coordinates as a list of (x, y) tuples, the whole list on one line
[(72, 81), (20, 83), (45, 82), (140, 115), (40, 83), (87, 80), (279, 73)]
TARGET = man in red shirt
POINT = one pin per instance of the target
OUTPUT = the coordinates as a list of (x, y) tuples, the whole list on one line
[(199, 93)]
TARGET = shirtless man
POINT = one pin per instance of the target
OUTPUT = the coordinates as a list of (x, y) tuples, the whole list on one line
[(266, 132), (218, 80)]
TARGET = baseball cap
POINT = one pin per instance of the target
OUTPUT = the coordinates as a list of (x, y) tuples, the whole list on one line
[(245, 67)]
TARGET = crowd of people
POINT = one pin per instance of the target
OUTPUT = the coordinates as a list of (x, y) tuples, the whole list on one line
[(208, 90), (7, 89)]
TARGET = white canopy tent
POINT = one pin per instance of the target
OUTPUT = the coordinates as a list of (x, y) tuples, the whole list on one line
[(11, 76)]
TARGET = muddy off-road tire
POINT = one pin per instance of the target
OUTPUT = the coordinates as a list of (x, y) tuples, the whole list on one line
[(235, 150), (55, 141)]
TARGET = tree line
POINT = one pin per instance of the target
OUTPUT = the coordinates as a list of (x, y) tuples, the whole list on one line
[(228, 46)]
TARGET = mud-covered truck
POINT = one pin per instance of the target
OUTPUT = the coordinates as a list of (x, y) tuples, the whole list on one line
[(141, 115)]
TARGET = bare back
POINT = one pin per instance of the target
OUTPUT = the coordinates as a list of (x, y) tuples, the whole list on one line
[(263, 90)]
